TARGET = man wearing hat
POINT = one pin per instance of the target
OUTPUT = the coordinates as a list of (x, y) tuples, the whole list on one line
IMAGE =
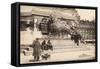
[(36, 49)]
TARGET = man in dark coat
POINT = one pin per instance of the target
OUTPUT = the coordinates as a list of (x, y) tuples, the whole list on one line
[(43, 45), (49, 45), (36, 49), (77, 37), (72, 37)]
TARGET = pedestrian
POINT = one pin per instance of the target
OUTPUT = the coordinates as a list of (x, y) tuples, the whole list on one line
[(36, 49), (77, 37), (72, 37), (49, 45), (43, 45), (46, 52)]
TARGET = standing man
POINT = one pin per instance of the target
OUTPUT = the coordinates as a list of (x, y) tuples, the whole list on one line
[(36, 49), (77, 37)]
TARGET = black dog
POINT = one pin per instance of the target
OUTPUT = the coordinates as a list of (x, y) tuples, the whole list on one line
[(45, 56)]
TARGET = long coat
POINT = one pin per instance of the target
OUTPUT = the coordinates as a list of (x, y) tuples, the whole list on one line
[(77, 38), (36, 48)]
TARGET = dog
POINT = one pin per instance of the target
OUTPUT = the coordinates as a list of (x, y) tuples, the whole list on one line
[(45, 56)]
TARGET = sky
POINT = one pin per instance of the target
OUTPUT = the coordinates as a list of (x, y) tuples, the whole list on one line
[(86, 14)]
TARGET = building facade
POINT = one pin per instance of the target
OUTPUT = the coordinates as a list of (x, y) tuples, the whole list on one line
[(87, 29)]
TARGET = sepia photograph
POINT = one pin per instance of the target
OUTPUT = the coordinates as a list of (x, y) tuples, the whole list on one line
[(55, 34)]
